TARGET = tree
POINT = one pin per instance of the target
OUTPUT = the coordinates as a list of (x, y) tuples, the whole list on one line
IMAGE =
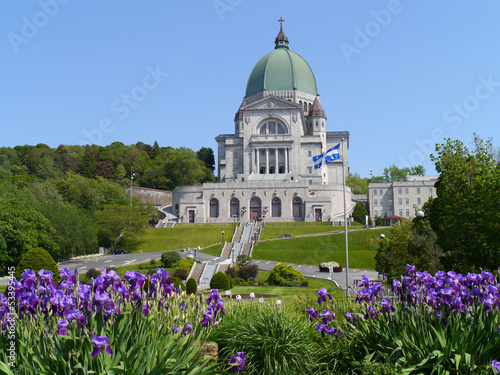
[(283, 274), (88, 164), (206, 154), (220, 281), (248, 272), (170, 259), (23, 229), (412, 242), (465, 213), (358, 184), (116, 222), (359, 213)]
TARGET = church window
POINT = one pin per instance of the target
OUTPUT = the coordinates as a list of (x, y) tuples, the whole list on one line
[(271, 127), (309, 153), (276, 207), (281, 129), (310, 170), (214, 208), (305, 107), (297, 207), (235, 207), (281, 169), (316, 123), (263, 129), (310, 182)]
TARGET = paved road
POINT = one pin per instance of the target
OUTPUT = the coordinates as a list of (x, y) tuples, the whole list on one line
[(83, 265)]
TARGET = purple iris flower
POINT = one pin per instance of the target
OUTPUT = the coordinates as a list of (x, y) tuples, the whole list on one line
[(176, 329), (496, 365), (45, 274), (387, 306), (331, 330), (28, 274), (187, 329), (322, 295), (313, 314), (207, 317), (62, 325), (410, 269), (238, 362), (101, 343), (72, 314), (327, 316), (350, 318)]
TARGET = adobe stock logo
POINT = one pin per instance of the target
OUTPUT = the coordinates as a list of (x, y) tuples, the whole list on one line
[(223, 6), (123, 106), (32, 25), (372, 29), (454, 116)]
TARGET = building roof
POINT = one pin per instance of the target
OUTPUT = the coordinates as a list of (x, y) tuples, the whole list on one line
[(393, 217), (316, 109), (281, 69)]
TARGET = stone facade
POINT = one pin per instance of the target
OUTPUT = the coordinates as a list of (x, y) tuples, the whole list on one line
[(400, 197), (266, 169)]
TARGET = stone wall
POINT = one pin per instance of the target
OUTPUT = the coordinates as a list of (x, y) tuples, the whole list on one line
[(157, 197)]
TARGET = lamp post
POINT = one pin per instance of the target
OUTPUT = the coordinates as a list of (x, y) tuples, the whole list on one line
[(420, 214), (132, 174), (345, 226), (222, 238)]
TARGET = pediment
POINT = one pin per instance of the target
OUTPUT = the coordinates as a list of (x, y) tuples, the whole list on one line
[(271, 103)]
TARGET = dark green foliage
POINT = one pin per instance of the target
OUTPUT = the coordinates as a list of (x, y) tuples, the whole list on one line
[(170, 259), (152, 262), (248, 271), (359, 213), (220, 281), (283, 275), (273, 342), (191, 286), (176, 281), (181, 273), (92, 273), (232, 281), (243, 260), (231, 271), (186, 264), (465, 213), (206, 154), (379, 221), (37, 259)]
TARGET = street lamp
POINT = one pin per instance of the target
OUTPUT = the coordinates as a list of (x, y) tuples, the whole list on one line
[(382, 236), (222, 235), (132, 174), (420, 214)]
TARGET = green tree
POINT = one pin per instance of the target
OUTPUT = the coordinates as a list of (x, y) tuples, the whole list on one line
[(206, 154), (358, 184), (359, 213), (37, 259), (23, 229), (117, 222), (170, 259), (88, 164), (284, 274), (465, 213)]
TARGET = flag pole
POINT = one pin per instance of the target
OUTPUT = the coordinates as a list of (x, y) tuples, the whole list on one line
[(345, 226)]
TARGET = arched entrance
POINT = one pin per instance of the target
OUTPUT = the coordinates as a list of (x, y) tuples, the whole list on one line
[(255, 209)]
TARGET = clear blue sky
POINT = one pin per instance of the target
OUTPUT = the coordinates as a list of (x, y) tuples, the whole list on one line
[(397, 74)]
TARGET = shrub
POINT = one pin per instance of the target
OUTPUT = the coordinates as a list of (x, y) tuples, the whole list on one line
[(186, 264), (170, 259), (379, 222), (37, 259), (92, 273), (243, 260), (191, 286), (248, 271), (220, 281), (233, 272), (181, 273), (273, 343), (176, 281), (152, 262), (283, 274), (231, 282)]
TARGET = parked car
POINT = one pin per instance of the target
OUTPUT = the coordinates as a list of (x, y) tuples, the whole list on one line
[(285, 235), (190, 255), (119, 251), (366, 226)]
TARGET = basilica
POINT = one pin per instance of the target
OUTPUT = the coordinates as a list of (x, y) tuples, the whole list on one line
[(274, 167)]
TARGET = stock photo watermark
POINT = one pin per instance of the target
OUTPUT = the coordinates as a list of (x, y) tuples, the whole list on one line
[(11, 318), (454, 117), (123, 106), (223, 6), (363, 36), (31, 25)]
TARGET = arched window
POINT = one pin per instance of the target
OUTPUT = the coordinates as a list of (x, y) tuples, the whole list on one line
[(214, 208), (255, 212), (235, 207), (297, 207), (276, 207), (273, 127)]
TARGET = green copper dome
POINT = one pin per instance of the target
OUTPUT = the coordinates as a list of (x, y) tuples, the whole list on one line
[(281, 69)]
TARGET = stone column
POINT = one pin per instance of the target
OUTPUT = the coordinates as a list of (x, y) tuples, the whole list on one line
[(286, 160), (275, 161), (267, 161)]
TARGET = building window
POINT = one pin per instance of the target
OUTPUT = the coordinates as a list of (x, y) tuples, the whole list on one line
[(375, 192), (418, 190), (419, 201), (389, 202), (309, 153), (276, 207), (310, 170), (400, 200), (407, 213), (430, 190), (297, 207), (235, 207), (400, 212), (310, 182), (381, 192), (407, 201), (406, 190), (273, 127), (214, 208), (375, 212), (374, 202), (400, 191)]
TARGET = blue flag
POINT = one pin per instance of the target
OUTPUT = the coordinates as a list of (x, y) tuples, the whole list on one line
[(332, 154), (318, 161)]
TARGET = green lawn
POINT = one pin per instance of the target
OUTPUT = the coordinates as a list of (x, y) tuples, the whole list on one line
[(316, 249), (274, 230), (181, 236)]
